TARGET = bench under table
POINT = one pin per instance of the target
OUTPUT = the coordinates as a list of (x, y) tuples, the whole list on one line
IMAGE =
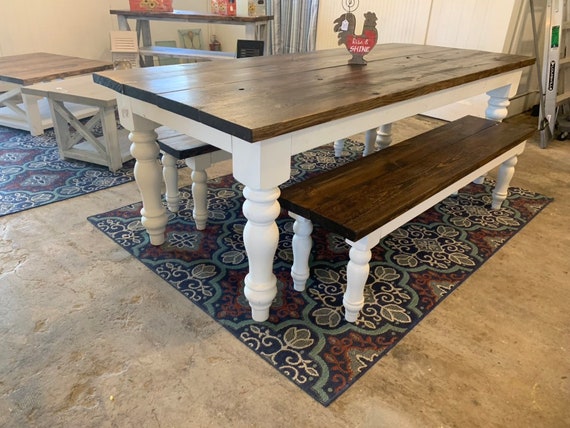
[(367, 199)]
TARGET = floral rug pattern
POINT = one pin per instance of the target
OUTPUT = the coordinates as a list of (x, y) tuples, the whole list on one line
[(33, 175), (306, 337)]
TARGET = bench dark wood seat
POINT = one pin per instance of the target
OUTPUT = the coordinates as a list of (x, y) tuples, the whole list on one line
[(198, 156), (370, 197)]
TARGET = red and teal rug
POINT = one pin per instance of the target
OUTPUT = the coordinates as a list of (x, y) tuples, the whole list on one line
[(306, 338), (33, 175)]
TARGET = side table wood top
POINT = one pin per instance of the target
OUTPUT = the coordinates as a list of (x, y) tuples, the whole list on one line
[(38, 67)]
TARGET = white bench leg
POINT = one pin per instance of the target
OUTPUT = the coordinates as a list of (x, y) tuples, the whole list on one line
[(370, 141), (200, 197), (357, 271), (338, 148), (170, 175), (378, 136), (504, 176), (198, 165), (301, 244)]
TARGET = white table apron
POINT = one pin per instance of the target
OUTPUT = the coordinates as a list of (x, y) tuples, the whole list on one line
[(264, 165)]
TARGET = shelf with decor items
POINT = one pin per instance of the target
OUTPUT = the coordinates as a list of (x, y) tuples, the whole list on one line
[(255, 28)]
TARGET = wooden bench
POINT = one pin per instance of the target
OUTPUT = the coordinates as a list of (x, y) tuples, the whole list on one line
[(367, 199), (198, 156)]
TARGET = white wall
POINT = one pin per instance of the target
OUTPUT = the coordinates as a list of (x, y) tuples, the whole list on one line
[(471, 24), (74, 27), (67, 27), (81, 27)]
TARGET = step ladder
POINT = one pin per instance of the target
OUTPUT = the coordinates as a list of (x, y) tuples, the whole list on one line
[(556, 69)]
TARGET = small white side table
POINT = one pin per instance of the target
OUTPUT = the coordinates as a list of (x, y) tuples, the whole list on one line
[(75, 139)]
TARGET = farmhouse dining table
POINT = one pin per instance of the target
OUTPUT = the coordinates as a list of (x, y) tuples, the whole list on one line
[(266, 109)]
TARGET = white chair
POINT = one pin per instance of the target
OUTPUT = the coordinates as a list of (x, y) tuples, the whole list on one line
[(124, 49)]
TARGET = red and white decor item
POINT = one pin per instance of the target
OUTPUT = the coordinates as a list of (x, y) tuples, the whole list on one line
[(345, 26), (224, 7), (151, 5)]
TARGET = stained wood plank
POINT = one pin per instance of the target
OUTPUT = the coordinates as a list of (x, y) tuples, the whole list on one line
[(38, 67), (182, 146), (358, 198)]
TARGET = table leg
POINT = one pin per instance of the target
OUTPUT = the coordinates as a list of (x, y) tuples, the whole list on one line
[(11, 100), (261, 168), (384, 136), (261, 237), (33, 113), (497, 106), (148, 173), (497, 109), (61, 129)]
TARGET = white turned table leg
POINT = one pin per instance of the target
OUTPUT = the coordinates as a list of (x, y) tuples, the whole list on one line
[(497, 109), (504, 176), (170, 175), (384, 136), (261, 237), (301, 244), (148, 177), (338, 148), (498, 104)]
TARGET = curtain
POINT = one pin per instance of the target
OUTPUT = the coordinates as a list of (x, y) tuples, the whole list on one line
[(294, 28)]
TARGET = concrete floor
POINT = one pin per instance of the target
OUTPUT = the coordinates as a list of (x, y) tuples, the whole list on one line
[(89, 337)]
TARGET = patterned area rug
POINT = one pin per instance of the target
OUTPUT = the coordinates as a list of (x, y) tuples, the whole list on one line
[(306, 338), (32, 175)]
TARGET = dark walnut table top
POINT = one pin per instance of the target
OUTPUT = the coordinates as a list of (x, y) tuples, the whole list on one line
[(263, 97), (31, 68)]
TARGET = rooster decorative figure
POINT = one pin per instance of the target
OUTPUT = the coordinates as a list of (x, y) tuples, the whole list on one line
[(358, 46)]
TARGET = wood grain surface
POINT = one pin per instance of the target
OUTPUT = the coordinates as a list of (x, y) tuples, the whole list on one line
[(357, 198), (263, 97), (38, 67)]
